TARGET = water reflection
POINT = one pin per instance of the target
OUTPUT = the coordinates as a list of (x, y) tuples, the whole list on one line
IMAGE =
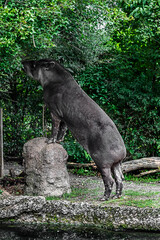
[(56, 232)]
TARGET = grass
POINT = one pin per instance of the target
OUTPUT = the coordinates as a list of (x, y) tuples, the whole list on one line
[(142, 203), (75, 193), (130, 198), (145, 179), (134, 202), (138, 199), (138, 194)]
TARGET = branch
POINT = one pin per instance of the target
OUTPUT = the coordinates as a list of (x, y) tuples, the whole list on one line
[(33, 41), (146, 173), (5, 4)]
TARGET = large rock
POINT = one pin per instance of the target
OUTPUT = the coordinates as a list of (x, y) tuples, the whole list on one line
[(45, 168), (16, 205)]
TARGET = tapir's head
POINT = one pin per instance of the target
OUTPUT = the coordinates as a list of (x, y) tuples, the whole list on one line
[(46, 71)]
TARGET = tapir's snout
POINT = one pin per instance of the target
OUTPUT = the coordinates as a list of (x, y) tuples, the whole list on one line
[(24, 66), (28, 67)]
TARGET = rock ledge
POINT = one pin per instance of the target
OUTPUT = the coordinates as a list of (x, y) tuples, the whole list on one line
[(25, 209)]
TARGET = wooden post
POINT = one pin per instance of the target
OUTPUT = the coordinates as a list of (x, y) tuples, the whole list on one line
[(1, 143), (43, 119)]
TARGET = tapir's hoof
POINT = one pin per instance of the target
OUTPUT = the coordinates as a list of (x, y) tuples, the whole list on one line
[(50, 140), (104, 198), (59, 140), (116, 196)]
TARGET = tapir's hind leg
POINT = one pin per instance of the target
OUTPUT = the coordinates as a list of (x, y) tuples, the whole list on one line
[(118, 175), (108, 182)]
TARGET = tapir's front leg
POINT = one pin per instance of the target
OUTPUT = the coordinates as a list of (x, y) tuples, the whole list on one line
[(55, 128), (62, 131)]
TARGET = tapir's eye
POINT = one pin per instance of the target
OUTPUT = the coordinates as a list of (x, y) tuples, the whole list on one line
[(49, 65), (46, 68)]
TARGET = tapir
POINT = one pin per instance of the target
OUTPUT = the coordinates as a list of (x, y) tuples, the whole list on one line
[(71, 107)]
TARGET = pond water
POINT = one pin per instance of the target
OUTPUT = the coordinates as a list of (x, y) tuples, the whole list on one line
[(56, 232)]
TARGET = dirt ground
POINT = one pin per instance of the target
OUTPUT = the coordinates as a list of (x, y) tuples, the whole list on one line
[(91, 188)]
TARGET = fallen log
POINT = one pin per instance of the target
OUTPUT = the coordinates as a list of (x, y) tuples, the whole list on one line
[(143, 163), (129, 166)]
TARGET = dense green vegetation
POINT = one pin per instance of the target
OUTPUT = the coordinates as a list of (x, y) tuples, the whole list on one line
[(113, 51)]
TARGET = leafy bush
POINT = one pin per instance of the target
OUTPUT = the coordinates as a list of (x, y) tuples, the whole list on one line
[(113, 49), (75, 150), (132, 104), (22, 114)]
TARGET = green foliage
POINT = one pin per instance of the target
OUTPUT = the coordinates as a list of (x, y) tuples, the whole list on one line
[(139, 87), (130, 102), (19, 118), (27, 30), (83, 172), (1, 191), (75, 150), (113, 50)]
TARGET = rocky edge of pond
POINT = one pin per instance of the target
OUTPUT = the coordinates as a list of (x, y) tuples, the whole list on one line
[(26, 209), (86, 209)]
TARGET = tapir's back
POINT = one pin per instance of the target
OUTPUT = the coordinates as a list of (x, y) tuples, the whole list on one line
[(89, 124)]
